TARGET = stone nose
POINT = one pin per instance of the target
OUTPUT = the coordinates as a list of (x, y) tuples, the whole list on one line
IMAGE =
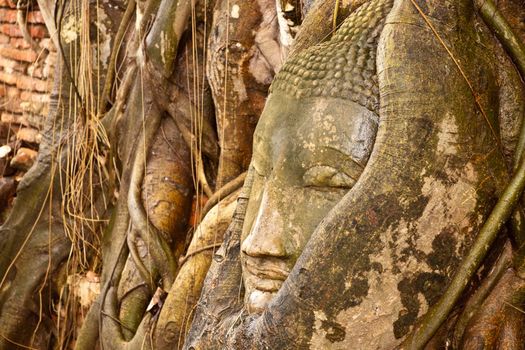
[(267, 237)]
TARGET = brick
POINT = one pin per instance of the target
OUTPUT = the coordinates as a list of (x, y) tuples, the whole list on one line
[(24, 158), (32, 107), (12, 92), (35, 17), (11, 66), (3, 90), (12, 105), (4, 39), (18, 55), (27, 119), (35, 120), (10, 16), (9, 79), (10, 118), (29, 135), (27, 83), (37, 31), (11, 30), (8, 3), (35, 71), (19, 43), (34, 97)]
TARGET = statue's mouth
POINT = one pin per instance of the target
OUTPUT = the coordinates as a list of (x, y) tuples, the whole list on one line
[(265, 276)]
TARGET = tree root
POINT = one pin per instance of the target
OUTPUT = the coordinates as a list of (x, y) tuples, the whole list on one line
[(177, 312), (88, 336), (185, 258), (222, 193), (108, 83), (500, 214), (498, 323), (158, 248), (112, 336), (437, 314), (133, 250), (475, 301), (191, 141)]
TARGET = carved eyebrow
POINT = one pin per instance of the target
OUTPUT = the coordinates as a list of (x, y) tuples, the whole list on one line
[(317, 157), (346, 155)]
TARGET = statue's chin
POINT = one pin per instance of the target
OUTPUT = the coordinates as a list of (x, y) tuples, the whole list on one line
[(258, 301)]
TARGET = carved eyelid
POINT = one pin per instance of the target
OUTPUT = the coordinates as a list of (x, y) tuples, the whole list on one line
[(327, 176)]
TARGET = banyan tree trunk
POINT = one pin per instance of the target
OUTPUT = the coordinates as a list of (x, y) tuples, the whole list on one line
[(121, 316)]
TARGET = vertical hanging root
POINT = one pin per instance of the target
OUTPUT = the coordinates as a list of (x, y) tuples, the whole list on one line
[(503, 210), (158, 248), (22, 7), (108, 83), (189, 138)]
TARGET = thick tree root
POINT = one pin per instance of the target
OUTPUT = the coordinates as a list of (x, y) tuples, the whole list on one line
[(222, 193), (158, 248), (177, 312), (501, 213), (498, 323), (475, 301), (487, 235)]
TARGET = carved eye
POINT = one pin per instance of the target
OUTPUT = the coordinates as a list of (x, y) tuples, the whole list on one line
[(327, 176)]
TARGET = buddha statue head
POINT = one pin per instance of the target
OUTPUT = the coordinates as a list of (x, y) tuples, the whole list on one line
[(310, 146)]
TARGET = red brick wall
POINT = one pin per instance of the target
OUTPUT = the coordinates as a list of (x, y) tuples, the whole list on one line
[(25, 82)]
